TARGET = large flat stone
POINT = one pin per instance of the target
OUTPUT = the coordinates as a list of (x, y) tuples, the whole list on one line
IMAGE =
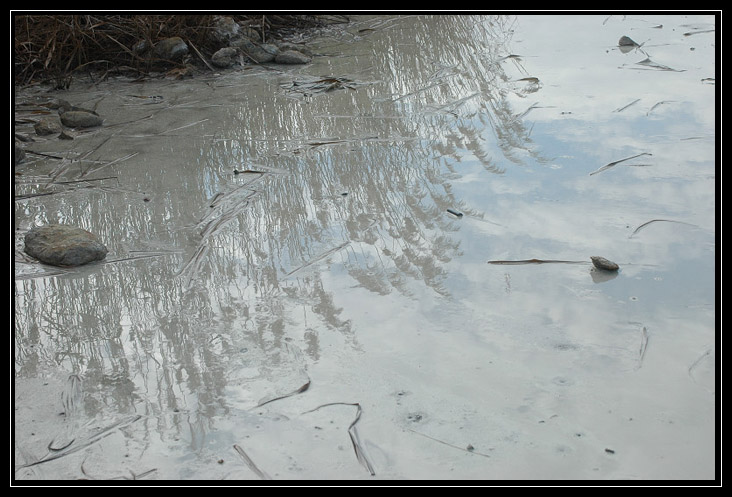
[(63, 245), (80, 119)]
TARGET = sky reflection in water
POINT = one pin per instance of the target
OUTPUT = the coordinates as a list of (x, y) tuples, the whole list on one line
[(341, 265)]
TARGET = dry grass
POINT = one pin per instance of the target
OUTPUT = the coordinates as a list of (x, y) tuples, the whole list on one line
[(52, 48)]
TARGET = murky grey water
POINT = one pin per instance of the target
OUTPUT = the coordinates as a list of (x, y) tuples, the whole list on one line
[(335, 273)]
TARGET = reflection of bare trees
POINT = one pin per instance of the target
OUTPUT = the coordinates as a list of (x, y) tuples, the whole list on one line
[(366, 187), (470, 84)]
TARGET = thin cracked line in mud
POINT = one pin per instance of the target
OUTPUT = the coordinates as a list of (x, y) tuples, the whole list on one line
[(355, 440)]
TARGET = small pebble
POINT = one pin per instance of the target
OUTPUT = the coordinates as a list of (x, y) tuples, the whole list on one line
[(602, 263)]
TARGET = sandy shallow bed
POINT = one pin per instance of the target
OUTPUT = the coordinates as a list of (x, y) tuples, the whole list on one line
[(323, 314)]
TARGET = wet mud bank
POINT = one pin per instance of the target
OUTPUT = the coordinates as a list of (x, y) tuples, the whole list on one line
[(377, 265)]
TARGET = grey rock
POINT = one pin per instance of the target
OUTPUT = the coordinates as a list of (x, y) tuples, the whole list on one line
[(47, 102), (224, 29), (23, 137), (66, 135), (224, 57), (65, 107), (173, 48), (80, 119), (250, 33), (292, 57), (140, 47), (47, 126), (298, 47), (627, 42), (258, 53), (604, 264), (63, 245)]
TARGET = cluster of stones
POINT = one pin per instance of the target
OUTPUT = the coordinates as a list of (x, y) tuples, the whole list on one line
[(239, 43), (69, 116), (62, 245)]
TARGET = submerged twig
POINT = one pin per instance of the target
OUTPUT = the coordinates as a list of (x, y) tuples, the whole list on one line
[(297, 356), (44, 155), (84, 180), (32, 195), (536, 261), (319, 258), (120, 159), (469, 450), (647, 62), (621, 109), (658, 104), (611, 164), (698, 360), (250, 464), (659, 220), (643, 346), (355, 440), (200, 55), (142, 256), (86, 442), (295, 392)]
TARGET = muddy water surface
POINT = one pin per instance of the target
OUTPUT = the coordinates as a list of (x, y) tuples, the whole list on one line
[(319, 272)]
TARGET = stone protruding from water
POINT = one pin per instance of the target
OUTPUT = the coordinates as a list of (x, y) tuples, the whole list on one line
[(63, 245), (291, 57), (604, 264), (80, 119)]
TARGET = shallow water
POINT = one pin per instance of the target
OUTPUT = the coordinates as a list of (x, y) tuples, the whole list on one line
[(329, 317)]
